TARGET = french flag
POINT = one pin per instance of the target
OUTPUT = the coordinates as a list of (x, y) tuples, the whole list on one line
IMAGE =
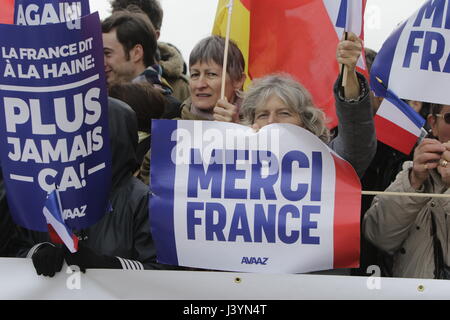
[(350, 16), (59, 233), (397, 124)]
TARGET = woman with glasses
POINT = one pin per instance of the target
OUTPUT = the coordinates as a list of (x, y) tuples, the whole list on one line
[(415, 230)]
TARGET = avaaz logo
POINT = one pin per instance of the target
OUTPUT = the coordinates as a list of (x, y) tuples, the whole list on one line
[(255, 260)]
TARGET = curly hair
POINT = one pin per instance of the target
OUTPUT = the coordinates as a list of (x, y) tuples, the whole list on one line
[(152, 8), (293, 94)]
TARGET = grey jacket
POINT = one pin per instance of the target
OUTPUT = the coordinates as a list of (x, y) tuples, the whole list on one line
[(401, 226), (356, 141)]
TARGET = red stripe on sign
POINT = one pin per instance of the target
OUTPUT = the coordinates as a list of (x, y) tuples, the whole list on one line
[(347, 215), (394, 136)]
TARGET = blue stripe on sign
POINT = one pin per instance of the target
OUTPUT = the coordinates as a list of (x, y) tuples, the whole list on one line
[(162, 183), (382, 65)]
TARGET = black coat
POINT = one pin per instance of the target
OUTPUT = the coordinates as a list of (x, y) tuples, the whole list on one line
[(7, 227), (124, 231)]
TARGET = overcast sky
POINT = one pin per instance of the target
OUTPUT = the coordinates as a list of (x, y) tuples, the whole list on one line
[(188, 21)]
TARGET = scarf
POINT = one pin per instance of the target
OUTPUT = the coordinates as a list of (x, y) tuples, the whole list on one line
[(153, 74)]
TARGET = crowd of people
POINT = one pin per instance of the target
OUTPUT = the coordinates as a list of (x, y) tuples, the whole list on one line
[(148, 79)]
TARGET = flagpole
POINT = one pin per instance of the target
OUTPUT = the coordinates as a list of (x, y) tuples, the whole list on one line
[(344, 70), (225, 54)]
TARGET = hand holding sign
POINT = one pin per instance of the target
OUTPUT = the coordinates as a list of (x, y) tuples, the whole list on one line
[(47, 260)]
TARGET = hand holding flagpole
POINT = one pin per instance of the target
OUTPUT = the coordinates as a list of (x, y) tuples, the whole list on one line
[(225, 54), (342, 22), (349, 18)]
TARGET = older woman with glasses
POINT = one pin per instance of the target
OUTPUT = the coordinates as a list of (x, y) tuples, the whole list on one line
[(415, 230)]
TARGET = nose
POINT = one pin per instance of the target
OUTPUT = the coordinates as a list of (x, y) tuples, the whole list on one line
[(272, 118), (200, 82), (105, 62)]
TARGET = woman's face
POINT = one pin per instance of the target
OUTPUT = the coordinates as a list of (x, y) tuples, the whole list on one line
[(205, 84), (440, 128), (274, 110)]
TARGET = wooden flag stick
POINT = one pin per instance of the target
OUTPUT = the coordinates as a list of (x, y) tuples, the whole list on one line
[(405, 194), (225, 54)]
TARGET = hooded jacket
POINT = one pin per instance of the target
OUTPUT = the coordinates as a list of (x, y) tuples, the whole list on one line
[(124, 230), (186, 114), (153, 75), (174, 70)]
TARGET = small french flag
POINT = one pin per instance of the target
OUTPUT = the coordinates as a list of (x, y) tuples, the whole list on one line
[(397, 124), (350, 16), (59, 232)]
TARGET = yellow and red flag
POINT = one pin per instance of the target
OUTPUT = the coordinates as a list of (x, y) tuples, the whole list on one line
[(7, 11), (298, 37), (240, 30)]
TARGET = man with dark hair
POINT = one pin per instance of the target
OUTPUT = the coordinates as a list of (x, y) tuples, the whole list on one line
[(129, 45), (152, 8), (174, 68)]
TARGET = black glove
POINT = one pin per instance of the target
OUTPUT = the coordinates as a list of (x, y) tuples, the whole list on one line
[(85, 258), (48, 260)]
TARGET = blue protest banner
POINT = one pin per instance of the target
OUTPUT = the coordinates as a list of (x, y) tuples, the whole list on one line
[(54, 121), (40, 12)]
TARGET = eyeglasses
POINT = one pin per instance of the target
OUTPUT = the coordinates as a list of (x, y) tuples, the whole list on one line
[(446, 117)]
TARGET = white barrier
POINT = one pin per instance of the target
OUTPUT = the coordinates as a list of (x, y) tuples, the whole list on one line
[(18, 280)]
